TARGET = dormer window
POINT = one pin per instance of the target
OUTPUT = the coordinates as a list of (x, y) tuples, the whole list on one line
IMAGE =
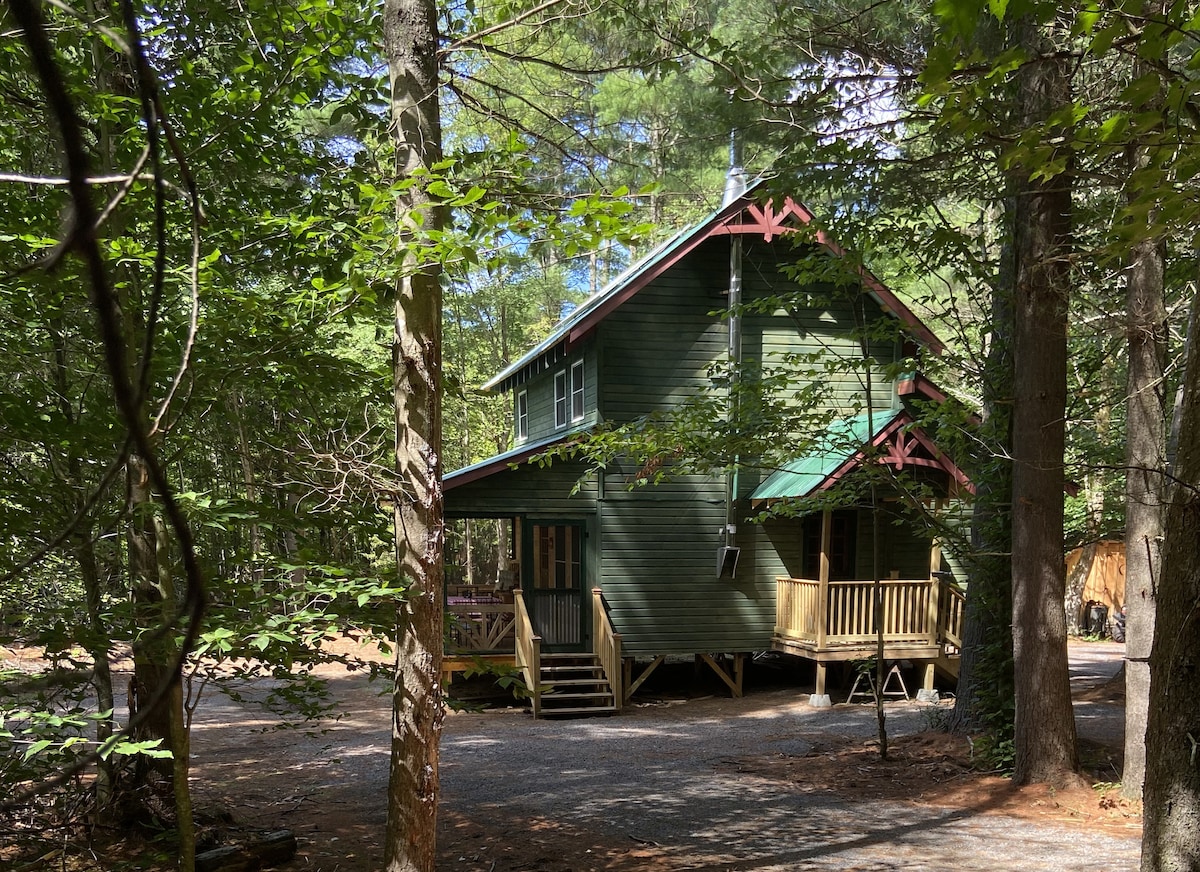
[(522, 416)]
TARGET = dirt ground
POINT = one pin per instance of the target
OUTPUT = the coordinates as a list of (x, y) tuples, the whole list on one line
[(328, 787), (687, 778)]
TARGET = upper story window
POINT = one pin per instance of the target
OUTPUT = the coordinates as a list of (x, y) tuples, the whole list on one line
[(522, 415), (577, 391), (568, 395)]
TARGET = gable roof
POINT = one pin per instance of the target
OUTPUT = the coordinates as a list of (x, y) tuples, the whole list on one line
[(744, 215), (842, 447)]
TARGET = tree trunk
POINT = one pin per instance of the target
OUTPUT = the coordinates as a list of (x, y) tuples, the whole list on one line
[(410, 34), (1044, 724), (984, 698), (1145, 460), (1171, 793)]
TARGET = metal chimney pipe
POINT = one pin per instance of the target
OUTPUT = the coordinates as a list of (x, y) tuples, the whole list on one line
[(735, 181)]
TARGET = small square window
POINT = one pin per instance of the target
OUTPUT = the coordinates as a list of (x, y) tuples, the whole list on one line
[(522, 415)]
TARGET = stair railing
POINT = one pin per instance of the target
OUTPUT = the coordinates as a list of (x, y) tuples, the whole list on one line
[(952, 615), (607, 643), (529, 653)]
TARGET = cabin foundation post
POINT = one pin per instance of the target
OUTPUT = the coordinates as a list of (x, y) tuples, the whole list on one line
[(820, 699), (927, 680), (732, 681)]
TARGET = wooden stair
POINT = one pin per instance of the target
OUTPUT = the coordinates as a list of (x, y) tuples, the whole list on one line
[(573, 685), (948, 661)]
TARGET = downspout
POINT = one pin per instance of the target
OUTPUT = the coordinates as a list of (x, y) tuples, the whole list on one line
[(735, 186)]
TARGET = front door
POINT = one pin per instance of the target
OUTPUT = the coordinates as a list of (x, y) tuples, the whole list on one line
[(554, 585)]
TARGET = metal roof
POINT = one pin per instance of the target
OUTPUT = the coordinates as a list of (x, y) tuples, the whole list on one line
[(842, 440), (596, 307), (498, 462)]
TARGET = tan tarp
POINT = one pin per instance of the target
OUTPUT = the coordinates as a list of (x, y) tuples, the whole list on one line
[(1106, 582)]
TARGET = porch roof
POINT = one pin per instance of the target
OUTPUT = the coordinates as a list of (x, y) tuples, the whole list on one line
[(500, 462), (841, 443)]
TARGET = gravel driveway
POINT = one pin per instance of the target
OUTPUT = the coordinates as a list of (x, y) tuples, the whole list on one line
[(669, 777), (662, 787)]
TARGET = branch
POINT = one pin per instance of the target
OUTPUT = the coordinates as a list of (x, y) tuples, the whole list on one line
[(496, 28)]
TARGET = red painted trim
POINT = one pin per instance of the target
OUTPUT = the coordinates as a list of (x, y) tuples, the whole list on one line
[(904, 419), (490, 468), (768, 223)]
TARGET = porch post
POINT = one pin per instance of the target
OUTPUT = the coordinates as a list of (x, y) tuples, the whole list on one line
[(823, 579), (935, 589)]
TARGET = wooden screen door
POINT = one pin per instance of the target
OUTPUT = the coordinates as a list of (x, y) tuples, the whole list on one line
[(555, 587)]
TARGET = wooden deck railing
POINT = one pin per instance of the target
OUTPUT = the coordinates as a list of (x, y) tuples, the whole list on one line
[(481, 628), (952, 614), (915, 611), (607, 644), (529, 653)]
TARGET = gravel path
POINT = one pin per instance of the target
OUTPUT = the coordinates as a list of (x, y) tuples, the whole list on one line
[(668, 777), (676, 786)]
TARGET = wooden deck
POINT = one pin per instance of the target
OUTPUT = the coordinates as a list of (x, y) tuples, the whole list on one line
[(831, 621), (482, 629)]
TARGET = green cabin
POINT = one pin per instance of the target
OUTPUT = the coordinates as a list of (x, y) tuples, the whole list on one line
[(603, 580)]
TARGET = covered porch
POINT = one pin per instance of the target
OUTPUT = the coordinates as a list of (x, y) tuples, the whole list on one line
[(832, 610), (834, 621)]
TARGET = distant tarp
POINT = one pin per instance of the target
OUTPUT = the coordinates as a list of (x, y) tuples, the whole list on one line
[(838, 445)]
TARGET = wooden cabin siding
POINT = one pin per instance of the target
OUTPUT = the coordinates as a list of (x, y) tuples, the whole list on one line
[(540, 389), (820, 324), (544, 492), (655, 351), (659, 571)]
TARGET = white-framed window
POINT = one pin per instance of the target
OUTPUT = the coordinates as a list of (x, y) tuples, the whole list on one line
[(560, 398), (568, 394), (522, 415), (577, 391)]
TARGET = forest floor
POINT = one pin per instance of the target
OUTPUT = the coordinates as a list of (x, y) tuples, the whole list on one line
[(685, 779)]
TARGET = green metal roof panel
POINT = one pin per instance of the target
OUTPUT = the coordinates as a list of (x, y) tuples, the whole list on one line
[(841, 441)]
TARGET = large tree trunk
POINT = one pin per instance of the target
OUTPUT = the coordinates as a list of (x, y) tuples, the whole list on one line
[(984, 698), (1044, 724), (410, 33), (1171, 793), (1145, 459)]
